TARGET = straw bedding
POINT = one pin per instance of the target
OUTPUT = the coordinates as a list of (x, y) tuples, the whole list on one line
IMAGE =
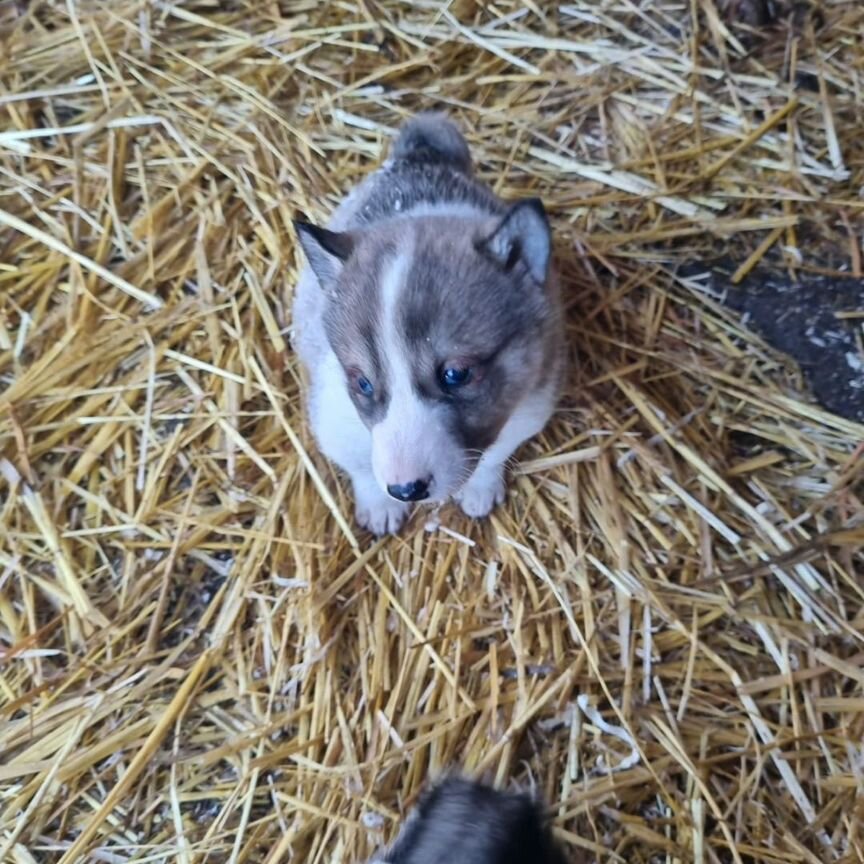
[(201, 658)]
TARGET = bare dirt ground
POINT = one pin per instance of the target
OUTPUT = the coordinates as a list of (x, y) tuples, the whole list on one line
[(817, 320)]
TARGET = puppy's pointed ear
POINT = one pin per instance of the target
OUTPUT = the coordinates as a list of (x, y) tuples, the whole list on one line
[(327, 251), (522, 235)]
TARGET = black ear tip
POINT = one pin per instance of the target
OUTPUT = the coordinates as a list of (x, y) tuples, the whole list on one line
[(537, 206), (313, 237), (311, 231)]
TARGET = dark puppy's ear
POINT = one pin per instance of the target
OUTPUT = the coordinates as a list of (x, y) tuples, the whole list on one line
[(327, 251), (522, 235)]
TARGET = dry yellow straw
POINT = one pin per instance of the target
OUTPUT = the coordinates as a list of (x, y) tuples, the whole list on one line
[(202, 657)]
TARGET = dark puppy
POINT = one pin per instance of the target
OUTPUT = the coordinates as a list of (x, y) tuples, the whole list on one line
[(462, 822)]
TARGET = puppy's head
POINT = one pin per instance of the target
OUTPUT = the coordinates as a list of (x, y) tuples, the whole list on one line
[(439, 324)]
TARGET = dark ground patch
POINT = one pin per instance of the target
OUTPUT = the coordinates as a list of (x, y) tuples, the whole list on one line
[(803, 319)]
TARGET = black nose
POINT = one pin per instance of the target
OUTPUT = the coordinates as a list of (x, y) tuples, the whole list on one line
[(416, 490)]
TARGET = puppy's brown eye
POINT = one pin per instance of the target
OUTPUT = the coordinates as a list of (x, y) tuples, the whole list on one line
[(453, 377)]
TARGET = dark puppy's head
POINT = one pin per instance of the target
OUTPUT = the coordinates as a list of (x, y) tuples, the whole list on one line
[(466, 822), (439, 323)]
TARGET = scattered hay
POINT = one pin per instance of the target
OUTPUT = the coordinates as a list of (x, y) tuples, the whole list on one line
[(661, 632)]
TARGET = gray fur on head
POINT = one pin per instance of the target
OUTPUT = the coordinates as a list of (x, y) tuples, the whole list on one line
[(432, 137)]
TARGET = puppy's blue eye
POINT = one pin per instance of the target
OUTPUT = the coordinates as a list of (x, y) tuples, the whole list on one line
[(364, 385), (454, 376)]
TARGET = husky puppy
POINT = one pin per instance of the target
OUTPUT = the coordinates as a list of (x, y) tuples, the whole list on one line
[(429, 323), (462, 822)]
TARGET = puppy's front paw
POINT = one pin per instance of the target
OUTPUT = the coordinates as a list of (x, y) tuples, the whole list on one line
[(381, 515), (482, 494)]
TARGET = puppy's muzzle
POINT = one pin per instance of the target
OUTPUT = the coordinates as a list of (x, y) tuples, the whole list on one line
[(416, 490)]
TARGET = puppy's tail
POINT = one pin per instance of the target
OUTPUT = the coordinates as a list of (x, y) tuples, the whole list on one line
[(432, 137)]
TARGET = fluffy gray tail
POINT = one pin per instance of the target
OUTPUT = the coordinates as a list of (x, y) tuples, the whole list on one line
[(432, 137)]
